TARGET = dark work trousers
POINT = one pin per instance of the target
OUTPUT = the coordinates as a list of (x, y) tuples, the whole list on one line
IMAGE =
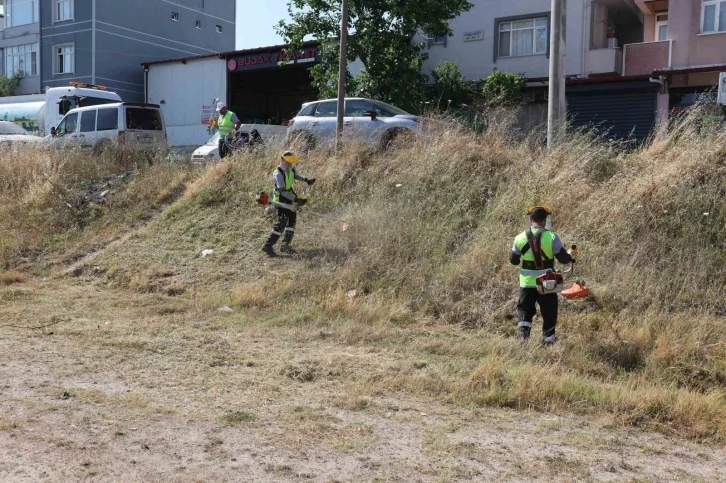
[(285, 225), (526, 309), (223, 149)]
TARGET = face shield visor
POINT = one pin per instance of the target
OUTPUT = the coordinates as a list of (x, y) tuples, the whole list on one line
[(546, 210)]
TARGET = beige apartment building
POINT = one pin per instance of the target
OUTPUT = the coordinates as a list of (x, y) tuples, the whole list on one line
[(683, 47)]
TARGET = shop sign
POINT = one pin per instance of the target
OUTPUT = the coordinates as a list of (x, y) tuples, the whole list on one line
[(272, 60), (208, 112)]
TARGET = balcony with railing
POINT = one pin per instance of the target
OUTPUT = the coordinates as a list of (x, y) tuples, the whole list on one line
[(643, 58)]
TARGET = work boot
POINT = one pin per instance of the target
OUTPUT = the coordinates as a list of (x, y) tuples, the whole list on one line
[(523, 333), (269, 251), (550, 340), (286, 248)]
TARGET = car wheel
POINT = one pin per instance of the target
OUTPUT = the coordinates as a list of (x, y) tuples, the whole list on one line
[(392, 137)]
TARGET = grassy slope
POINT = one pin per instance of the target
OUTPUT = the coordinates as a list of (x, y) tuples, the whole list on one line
[(430, 227)]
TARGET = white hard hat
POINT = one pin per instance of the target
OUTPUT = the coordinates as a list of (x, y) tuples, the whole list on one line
[(220, 106)]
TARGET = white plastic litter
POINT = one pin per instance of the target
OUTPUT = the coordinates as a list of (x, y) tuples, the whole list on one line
[(206, 253), (225, 310)]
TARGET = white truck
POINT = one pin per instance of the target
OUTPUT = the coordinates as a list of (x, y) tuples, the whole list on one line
[(39, 113)]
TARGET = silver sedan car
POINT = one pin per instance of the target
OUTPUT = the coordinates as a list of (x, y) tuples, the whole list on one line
[(370, 121)]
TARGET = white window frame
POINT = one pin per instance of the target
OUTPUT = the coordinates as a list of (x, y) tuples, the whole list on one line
[(34, 5), (174, 16), (659, 24), (717, 13), (57, 11), (56, 62), (219, 29), (435, 39), (534, 29), (34, 50)]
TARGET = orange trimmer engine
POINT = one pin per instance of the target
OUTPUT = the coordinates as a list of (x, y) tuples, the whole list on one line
[(550, 282), (262, 198)]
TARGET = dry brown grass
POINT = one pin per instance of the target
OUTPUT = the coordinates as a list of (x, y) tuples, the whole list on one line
[(12, 277), (423, 270)]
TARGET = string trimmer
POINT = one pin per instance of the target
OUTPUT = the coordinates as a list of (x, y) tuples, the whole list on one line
[(264, 199), (554, 282)]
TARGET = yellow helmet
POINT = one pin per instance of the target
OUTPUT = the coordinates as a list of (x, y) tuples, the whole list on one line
[(289, 157), (543, 207)]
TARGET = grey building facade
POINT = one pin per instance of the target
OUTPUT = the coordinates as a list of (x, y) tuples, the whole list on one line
[(106, 41)]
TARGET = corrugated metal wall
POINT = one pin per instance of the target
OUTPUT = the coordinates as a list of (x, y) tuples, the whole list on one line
[(621, 109), (184, 89)]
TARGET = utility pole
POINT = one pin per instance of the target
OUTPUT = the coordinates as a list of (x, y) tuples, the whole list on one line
[(342, 73), (557, 108)]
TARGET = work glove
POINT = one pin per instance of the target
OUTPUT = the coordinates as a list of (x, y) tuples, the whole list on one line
[(301, 201), (574, 253), (310, 181)]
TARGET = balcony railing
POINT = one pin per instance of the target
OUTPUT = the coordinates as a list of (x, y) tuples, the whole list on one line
[(605, 61), (644, 58)]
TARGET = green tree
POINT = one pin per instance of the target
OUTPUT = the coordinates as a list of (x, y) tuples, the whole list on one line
[(503, 88), (382, 37), (8, 85), (450, 87)]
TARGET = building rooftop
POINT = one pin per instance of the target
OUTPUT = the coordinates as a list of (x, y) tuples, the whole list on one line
[(222, 55)]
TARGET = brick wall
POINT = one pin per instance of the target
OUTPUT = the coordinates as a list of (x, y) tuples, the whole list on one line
[(643, 59)]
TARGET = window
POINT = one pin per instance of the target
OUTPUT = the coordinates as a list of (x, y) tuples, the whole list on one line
[(523, 37), (68, 124), (714, 16), (175, 16), (198, 24), (107, 119), (307, 110), (357, 108), (64, 59), (440, 39), (21, 12), (661, 26), (138, 118), (88, 121), (63, 10), (219, 29), (21, 59), (327, 109)]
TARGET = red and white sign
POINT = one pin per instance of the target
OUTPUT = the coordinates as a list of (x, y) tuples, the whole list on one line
[(232, 65)]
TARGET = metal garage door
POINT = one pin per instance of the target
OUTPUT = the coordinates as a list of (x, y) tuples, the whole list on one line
[(622, 110)]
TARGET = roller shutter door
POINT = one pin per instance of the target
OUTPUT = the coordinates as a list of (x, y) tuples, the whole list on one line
[(620, 109)]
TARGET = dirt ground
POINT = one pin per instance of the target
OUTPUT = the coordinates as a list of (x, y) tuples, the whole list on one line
[(133, 387)]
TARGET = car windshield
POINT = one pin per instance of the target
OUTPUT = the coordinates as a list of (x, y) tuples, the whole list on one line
[(394, 110), (11, 128), (214, 141)]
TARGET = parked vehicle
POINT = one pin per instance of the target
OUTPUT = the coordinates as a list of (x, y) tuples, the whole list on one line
[(39, 113), (268, 133), (366, 120), (129, 124), (13, 135)]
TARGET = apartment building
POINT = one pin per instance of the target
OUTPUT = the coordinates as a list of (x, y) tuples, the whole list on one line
[(53, 42), (684, 46), (628, 62)]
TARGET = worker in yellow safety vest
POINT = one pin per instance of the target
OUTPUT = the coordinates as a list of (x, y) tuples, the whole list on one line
[(228, 124), (537, 248), (284, 177)]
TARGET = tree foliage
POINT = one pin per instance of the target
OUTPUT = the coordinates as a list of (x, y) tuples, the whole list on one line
[(8, 85), (382, 36), (503, 87), (450, 88)]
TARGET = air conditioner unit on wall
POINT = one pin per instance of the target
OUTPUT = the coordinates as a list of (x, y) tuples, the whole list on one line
[(722, 88)]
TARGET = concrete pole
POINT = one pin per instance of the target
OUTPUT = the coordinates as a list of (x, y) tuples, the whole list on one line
[(557, 108), (342, 73)]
